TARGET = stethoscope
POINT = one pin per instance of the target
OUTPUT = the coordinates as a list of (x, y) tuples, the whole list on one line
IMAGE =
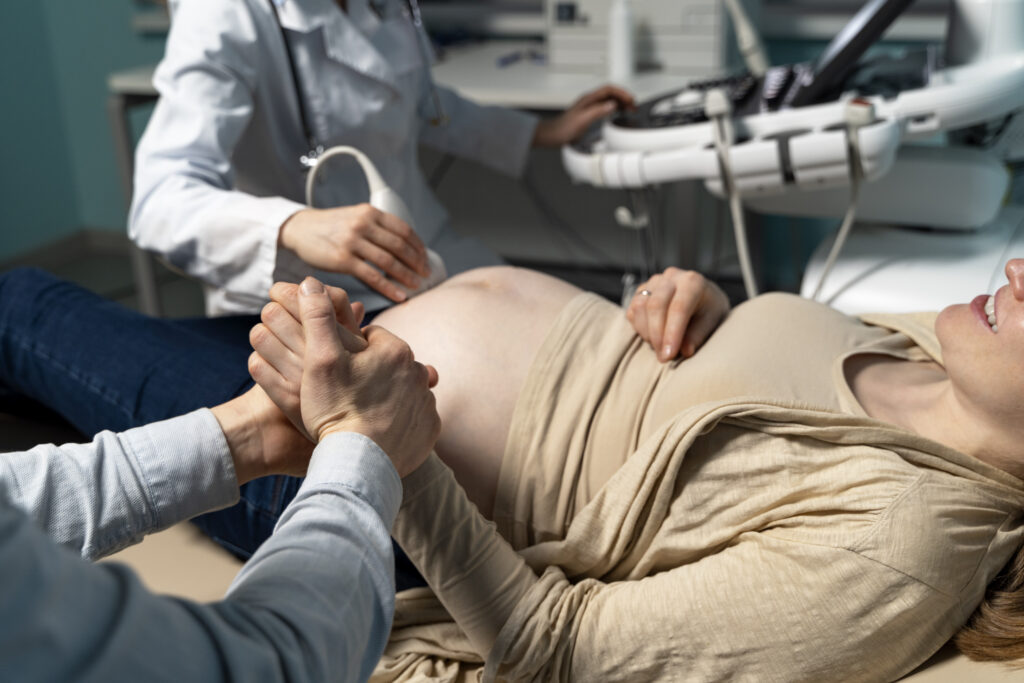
[(309, 159)]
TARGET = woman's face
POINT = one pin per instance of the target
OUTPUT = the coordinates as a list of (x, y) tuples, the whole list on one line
[(984, 361)]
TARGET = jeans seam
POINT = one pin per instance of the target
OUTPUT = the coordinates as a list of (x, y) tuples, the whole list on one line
[(91, 386)]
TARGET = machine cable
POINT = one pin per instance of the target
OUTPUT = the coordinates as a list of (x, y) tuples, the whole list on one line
[(858, 113), (718, 110)]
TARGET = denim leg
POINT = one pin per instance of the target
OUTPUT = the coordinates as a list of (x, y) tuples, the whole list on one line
[(105, 367)]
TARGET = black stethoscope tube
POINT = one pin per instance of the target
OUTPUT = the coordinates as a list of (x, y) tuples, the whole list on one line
[(308, 160)]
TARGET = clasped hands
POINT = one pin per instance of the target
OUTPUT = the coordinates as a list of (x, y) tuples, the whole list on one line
[(325, 375)]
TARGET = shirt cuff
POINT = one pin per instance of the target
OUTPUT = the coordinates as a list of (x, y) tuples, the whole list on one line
[(274, 211), (357, 463), (186, 466)]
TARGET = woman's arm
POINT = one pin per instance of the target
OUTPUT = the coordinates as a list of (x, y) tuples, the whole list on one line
[(763, 608)]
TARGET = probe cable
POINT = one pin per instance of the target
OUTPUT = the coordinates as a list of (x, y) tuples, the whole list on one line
[(718, 109), (859, 113)]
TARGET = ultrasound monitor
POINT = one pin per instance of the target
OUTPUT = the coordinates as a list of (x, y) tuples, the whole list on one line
[(828, 73)]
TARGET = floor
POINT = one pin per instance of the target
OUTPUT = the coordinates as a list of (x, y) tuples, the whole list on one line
[(180, 561)]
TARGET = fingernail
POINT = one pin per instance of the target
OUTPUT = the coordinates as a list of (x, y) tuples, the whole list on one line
[(400, 295), (311, 286), (666, 352)]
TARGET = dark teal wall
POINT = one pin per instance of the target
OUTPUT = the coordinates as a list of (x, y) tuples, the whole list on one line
[(89, 41), (57, 162), (37, 197)]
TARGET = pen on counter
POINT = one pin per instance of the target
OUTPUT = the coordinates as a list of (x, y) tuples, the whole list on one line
[(509, 59)]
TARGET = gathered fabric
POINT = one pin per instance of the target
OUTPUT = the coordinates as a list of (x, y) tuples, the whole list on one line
[(751, 537)]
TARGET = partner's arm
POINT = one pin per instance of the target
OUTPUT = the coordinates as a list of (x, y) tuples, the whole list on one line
[(314, 603), (99, 497)]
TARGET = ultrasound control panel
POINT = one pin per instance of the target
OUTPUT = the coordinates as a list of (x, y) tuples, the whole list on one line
[(748, 94)]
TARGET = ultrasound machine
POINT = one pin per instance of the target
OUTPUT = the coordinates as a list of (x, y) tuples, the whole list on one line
[(913, 151)]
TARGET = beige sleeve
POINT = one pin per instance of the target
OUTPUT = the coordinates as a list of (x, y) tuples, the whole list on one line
[(763, 608), (474, 572), (760, 610)]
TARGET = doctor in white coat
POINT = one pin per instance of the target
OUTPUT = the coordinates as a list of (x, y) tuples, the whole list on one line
[(247, 87)]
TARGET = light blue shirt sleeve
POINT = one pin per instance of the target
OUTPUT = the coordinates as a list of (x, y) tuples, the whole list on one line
[(99, 497), (314, 603)]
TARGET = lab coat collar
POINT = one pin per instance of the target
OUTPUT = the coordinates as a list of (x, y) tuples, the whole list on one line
[(344, 41)]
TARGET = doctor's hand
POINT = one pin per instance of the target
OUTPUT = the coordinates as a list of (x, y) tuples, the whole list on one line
[(339, 381), (678, 312), (361, 241), (574, 121)]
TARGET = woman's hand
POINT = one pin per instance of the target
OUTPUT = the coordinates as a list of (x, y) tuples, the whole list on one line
[(574, 121), (358, 240), (678, 312), (262, 440)]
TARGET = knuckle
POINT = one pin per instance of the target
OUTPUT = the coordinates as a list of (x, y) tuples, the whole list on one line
[(271, 312), (278, 289), (323, 360), (258, 335), (692, 278), (340, 297), (255, 364), (402, 353)]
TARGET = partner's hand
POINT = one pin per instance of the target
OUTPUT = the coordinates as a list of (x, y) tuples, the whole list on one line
[(574, 121), (368, 384), (680, 312), (262, 440), (358, 240)]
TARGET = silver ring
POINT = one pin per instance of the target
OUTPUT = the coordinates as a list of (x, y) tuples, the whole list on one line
[(645, 292)]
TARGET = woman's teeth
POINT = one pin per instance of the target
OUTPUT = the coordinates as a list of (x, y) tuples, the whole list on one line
[(990, 311)]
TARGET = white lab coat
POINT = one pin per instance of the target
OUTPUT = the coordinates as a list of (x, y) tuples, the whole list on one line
[(218, 172)]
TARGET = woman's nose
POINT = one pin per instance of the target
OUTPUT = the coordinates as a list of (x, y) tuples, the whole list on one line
[(1015, 274)]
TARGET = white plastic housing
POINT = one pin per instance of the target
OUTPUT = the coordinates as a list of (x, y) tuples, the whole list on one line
[(896, 270), (925, 173), (984, 29)]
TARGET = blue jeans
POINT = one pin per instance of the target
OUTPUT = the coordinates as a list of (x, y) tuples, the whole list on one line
[(102, 366)]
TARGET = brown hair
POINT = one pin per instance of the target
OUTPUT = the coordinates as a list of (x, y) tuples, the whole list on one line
[(995, 632)]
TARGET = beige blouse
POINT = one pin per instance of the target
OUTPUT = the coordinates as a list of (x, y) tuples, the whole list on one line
[(731, 516)]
